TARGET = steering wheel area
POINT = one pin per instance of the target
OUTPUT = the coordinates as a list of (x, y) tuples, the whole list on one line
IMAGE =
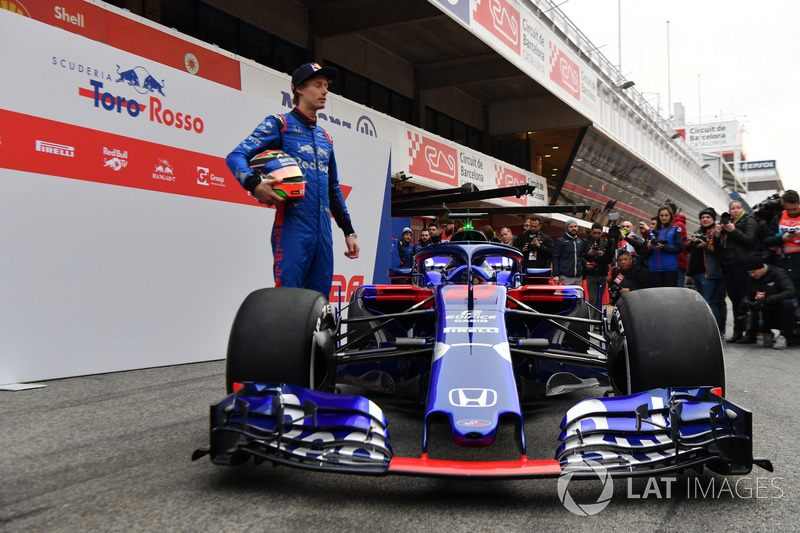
[(465, 273)]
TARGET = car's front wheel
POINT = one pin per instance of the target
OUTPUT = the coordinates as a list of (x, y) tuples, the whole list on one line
[(664, 337), (282, 335)]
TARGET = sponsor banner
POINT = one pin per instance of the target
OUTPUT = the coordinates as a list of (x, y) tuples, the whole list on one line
[(712, 136), (757, 165), (501, 19), (74, 80), (431, 160), (512, 30), (42, 146), (129, 32)]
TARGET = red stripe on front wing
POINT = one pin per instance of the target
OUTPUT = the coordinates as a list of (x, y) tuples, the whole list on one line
[(522, 468)]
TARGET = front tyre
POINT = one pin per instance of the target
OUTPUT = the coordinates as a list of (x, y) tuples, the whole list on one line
[(282, 335), (664, 337)]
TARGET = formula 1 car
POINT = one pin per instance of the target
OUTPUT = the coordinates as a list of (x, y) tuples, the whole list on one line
[(471, 341)]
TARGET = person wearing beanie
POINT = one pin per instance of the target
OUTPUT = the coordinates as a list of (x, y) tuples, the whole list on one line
[(302, 241), (704, 264), (768, 298), (448, 229), (405, 249), (568, 256), (403, 253)]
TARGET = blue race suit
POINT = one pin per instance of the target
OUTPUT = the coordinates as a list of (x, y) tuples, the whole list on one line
[(302, 243)]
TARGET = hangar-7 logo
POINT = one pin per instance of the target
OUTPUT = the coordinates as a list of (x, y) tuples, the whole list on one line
[(502, 19)]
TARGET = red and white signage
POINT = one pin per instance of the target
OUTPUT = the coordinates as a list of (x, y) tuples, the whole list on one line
[(502, 20), (123, 229)]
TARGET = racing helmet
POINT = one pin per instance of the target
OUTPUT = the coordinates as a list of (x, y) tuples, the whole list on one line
[(277, 164)]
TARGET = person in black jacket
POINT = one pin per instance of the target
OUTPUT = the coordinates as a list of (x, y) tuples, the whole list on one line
[(627, 276), (735, 238), (597, 255), (536, 246), (769, 298)]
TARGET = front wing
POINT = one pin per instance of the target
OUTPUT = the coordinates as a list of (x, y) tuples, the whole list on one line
[(650, 433)]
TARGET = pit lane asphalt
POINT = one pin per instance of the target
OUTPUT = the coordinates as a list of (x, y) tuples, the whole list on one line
[(112, 453)]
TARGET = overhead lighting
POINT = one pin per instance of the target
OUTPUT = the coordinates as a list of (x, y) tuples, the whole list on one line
[(627, 85), (547, 155), (705, 166), (675, 136)]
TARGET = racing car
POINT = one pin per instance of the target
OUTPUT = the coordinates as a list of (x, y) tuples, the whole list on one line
[(471, 342)]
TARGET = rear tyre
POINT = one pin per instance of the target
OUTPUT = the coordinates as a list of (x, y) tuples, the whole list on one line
[(664, 337), (282, 335)]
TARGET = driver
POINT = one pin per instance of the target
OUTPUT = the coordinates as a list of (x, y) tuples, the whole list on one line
[(302, 244)]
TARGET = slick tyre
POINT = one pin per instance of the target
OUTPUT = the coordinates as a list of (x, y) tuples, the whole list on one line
[(664, 337), (282, 335)]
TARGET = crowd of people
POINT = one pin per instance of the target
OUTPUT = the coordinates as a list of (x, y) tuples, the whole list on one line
[(754, 263)]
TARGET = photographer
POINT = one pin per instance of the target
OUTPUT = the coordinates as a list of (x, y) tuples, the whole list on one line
[(626, 276), (597, 255), (735, 238), (630, 241), (769, 299), (783, 233), (535, 245), (665, 241), (704, 265)]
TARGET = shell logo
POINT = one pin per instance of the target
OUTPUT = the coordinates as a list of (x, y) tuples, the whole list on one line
[(14, 7)]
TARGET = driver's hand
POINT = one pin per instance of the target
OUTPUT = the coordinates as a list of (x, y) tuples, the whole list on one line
[(352, 247), (265, 195)]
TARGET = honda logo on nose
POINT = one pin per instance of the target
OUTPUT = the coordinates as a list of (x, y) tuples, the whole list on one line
[(473, 397)]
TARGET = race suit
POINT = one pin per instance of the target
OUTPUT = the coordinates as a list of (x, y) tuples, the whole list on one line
[(302, 243)]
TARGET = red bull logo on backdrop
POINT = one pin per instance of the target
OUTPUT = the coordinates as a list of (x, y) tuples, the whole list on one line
[(107, 88)]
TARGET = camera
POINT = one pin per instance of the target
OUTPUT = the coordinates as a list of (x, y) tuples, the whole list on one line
[(613, 230), (614, 292), (724, 218), (768, 208), (654, 242)]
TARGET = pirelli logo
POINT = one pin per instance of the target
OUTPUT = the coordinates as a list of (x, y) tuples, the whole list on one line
[(55, 149)]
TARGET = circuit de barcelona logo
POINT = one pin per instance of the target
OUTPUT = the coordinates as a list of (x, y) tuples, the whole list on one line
[(585, 509)]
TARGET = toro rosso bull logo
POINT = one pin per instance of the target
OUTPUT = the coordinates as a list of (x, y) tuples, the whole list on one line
[(146, 84), (132, 77)]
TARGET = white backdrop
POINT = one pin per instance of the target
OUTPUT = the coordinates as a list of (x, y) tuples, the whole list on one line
[(106, 268)]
